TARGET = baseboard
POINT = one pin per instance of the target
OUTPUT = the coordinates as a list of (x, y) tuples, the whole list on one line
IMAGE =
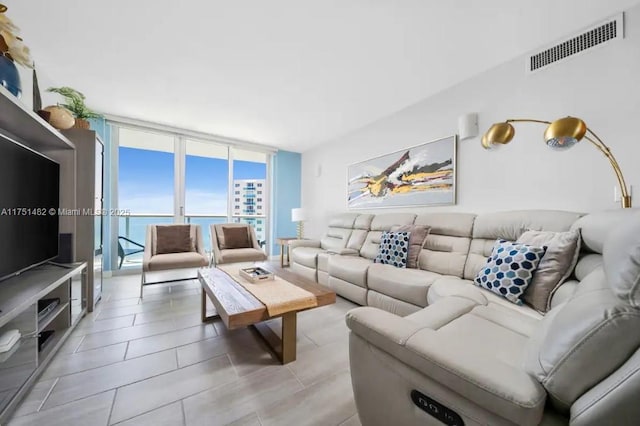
[(128, 271)]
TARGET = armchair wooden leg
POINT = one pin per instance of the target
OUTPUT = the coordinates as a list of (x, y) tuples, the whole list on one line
[(141, 284)]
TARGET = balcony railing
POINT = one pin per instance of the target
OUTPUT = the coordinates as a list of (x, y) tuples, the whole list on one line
[(134, 227)]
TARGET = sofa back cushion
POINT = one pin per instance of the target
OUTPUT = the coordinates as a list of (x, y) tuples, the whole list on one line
[(583, 341), (595, 228), (361, 227), (343, 220), (363, 222), (335, 238), (339, 231), (356, 239), (448, 242), (490, 227), (380, 223)]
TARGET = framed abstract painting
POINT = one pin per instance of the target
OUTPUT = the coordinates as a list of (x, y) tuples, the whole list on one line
[(424, 175)]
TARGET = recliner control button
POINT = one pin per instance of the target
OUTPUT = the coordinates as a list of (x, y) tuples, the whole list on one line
[(435, 409)]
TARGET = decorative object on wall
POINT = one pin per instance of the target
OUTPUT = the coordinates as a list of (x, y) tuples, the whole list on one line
[(468, 126), (75, 104), (424, 175), (12, 51), (299, 216), (559, 135), (59, 117)]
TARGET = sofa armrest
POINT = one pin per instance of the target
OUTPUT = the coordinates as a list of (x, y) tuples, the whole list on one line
[(496, 386), (344, 251), (303, 243)]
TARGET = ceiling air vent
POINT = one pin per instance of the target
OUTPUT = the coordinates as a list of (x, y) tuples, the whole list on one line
[(597, 35)]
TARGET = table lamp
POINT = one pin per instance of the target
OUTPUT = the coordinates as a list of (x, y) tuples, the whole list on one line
[(560, 135), (298, 216)]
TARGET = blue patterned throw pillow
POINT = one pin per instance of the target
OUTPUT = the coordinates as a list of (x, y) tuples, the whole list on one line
[(394, 249), (509, 269)]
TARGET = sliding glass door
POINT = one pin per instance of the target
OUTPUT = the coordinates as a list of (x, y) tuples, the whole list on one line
[(166, 178)]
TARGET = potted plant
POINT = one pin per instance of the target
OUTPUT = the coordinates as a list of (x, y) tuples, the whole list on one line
[(75, 104)]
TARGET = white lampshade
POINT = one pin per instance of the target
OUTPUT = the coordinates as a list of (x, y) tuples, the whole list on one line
[(298, 215)]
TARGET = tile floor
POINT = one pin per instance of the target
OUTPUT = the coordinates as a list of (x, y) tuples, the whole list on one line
[(153, 362)]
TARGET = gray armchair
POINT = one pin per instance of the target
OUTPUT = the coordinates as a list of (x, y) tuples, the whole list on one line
[(155, 260), (222, 252)]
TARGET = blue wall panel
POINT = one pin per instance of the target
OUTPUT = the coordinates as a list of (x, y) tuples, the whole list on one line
[(287, 193)]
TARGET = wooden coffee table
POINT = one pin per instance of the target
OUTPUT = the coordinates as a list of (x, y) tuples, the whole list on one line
[(239, 308)]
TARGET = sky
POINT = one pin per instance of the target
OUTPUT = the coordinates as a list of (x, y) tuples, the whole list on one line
[(146, 182)]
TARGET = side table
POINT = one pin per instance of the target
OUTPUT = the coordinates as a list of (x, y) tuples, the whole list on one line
[(284, 242)]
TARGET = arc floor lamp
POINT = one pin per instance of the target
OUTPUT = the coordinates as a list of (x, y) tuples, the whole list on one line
[(560, 135)]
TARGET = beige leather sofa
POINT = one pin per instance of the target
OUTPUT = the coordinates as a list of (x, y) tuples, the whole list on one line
[(456, 248), (468, 358)]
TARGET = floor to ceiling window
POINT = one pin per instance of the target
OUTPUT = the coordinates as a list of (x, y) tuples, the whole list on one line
[(167, 178), (250, 195), (206, 185), (145, 189)]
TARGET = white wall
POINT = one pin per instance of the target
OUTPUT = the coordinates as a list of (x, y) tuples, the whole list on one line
[(602, 87)]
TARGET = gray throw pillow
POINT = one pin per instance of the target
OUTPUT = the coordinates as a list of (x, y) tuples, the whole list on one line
[(555, 267), (417, 238)]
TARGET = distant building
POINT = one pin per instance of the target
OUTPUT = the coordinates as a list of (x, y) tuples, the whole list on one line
[(250, 199)]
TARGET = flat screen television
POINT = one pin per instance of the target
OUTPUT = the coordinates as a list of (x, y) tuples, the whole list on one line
[(29, 202)]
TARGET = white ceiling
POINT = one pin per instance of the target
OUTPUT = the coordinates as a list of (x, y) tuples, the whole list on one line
[(287, 73)]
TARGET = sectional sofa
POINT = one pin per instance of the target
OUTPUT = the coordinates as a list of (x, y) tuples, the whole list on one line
[(431, 348), (456, 248)]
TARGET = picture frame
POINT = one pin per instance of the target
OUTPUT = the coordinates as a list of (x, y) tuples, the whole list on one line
[(422, 175)]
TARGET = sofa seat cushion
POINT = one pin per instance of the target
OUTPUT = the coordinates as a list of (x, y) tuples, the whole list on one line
[(453, 286), (408, 285), (190, 259), (242, 255), (473, 333), (306, 256), (351, 269)]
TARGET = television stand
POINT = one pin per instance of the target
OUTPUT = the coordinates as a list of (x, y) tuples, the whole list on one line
[(44, 305), (60, 265)]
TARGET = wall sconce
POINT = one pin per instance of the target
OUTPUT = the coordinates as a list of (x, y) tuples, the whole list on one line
[(468, 126), (560, 135)]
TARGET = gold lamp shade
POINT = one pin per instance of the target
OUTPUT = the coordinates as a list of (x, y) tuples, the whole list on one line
[(499, 133), (565, 133)]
